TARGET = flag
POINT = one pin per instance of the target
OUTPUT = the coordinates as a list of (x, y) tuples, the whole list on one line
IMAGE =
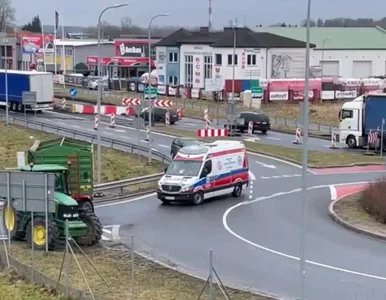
[(56, 20)]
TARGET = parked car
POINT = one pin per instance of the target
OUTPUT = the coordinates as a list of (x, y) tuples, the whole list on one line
[(261, 122), (158, 114), (180, 142)]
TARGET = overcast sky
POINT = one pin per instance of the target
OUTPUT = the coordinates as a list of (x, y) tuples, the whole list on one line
[(195, 13)]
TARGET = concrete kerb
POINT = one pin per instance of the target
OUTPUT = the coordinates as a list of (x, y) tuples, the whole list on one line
[(335, 217), (37, 278)]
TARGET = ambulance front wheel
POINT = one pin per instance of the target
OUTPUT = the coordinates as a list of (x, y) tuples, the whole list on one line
[(198, 198), (237, 190)]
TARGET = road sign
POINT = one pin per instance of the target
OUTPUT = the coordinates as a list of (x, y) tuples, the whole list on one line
[(73, 92), (131, 101), (163, 103), (257, 92), (150, 91), (29, 98)]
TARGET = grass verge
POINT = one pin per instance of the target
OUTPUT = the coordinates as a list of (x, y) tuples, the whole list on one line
[(13, 287), (315, 158), (116, 165), (321, 113), (151, 281), (350, 210)]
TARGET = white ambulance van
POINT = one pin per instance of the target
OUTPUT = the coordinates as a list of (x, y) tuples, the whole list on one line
[(200, 172)]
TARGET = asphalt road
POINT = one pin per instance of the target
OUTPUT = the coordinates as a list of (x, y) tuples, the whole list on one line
[(255, 244)]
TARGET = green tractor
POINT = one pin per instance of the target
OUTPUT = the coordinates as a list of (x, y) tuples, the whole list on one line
[(72, 197)]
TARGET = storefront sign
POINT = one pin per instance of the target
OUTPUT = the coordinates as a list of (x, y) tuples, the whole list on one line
[(345, 94), (120, 61), (278, 96), (134, 48)]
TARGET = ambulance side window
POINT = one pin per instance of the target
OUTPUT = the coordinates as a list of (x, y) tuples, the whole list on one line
[(207, 168)]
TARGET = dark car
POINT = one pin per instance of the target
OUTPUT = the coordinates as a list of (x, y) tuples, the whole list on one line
[(158, 115), (180, 142), (261, 122)]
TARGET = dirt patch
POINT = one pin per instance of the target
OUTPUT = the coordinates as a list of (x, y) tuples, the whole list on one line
[(116, 165), (315, 158), (350, 210), (151, 281)]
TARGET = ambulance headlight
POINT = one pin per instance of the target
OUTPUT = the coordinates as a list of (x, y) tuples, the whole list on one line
[(159, 186), (186, 188)]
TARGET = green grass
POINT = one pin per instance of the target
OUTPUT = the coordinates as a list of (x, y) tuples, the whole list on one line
[(315, 158), (116, 165), (152, 281)]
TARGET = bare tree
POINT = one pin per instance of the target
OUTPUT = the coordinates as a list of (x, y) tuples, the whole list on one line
[(126, 23), (7, 14)]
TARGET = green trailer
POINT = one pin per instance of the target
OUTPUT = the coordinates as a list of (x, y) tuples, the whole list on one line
[(77, 157)]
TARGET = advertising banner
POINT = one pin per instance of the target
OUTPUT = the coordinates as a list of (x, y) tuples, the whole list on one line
[(32, 44)]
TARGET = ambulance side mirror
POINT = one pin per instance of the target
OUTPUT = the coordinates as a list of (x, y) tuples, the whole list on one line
[(166, 169)]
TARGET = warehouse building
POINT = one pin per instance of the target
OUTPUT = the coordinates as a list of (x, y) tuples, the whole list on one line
[(345, 52)]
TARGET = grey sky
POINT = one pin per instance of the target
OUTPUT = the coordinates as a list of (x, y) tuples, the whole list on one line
[(195, 13)]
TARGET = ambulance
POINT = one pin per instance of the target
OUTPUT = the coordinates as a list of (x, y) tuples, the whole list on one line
[(200, 172)]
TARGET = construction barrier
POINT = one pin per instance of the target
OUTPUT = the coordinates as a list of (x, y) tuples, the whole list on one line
[(105, 109), (333, 141), (298, 135), (207, 118), (250, 128), (167, 118), (96, 122), (212, 132), (179, 112), (112, 121), (147, 134), (64, 103)]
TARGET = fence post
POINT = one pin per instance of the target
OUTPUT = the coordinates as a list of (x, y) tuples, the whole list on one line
[(132, 268), (211, 275), (67, 261), (32, 245)]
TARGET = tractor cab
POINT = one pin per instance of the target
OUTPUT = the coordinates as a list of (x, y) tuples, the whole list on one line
[(61, 175)]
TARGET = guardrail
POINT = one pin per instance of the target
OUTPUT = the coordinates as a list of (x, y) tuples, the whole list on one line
[(98, 188), (92, 138)]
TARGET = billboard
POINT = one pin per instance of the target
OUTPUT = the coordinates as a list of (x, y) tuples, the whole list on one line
[(131, 48), (32, 44)]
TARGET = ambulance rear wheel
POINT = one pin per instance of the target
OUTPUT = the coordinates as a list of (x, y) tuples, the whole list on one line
[(237, 190), (198, 198)]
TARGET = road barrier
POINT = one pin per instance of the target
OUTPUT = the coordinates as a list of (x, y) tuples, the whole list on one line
[(298, 135)]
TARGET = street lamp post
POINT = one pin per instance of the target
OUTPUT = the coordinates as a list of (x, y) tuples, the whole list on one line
[(324, 41), (302, 264), (148, 81), (99, 156), (233, 74)]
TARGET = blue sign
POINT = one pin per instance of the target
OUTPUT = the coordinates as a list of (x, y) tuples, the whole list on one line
[(73, 92)]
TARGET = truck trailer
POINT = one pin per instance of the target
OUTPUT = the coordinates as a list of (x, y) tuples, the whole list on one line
[(26, 81), (360, 116)]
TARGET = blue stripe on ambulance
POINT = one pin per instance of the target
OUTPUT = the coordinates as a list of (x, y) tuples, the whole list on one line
[(214, 178)]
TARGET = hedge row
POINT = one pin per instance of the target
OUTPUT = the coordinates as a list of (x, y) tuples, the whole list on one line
[(373, 199)]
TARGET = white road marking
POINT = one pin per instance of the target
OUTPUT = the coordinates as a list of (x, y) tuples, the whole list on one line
[(105, 238), (273, 138), (115, 232), (265, 165), (272, 251), (125, 201), (163, 146), (333, 193), (252, 140), (251, 176), (143, 141), (119, 130), (109, 133), (190, 124), (75, 126), (106, 231)]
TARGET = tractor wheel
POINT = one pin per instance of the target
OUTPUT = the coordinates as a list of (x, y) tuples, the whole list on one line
[(86, 206), (37, 234), (94, 229), (11, 221)]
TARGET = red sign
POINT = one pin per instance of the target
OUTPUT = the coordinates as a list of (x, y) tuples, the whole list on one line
[(131, 48), (120, 61), (32, 44)]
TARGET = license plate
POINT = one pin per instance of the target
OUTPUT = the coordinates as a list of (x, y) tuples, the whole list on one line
[(169, 198), (174, 115), (263, 122)]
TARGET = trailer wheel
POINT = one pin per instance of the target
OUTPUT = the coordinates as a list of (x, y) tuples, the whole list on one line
[(94, 229), (37, 234), (20, 108), (14, 106), (11, 221)]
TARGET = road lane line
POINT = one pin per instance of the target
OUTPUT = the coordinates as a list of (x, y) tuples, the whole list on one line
[(333, 192)]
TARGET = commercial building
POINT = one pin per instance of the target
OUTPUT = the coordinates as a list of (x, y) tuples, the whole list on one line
[(346, 52), (10, 51), (206, 58)]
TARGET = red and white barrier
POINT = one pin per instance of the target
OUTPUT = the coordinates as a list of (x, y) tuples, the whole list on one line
[(333, 141), (64, 103), (105, 109), (250, 128), (147, 134), (212, 132), (96, 122), (163, 103), (167, 118), (179, 112), (207, 118), (112, 121), (298, 135), (131, 101)]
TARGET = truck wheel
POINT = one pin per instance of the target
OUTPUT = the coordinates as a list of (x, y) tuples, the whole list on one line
[(20, 108), (351, 142), (198, 198), (11, 221), (14, 106), (94, 229), (237, 190), (37, 234)]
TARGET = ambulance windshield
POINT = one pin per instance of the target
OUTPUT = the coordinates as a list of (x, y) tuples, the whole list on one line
[(184, 168)]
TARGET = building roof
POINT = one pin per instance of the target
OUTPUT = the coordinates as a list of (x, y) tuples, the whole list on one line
[(80, 43), (339, 38), (245, 38)]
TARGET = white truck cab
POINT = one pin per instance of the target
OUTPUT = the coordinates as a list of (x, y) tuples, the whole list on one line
[(350, 125), (200, 172)]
